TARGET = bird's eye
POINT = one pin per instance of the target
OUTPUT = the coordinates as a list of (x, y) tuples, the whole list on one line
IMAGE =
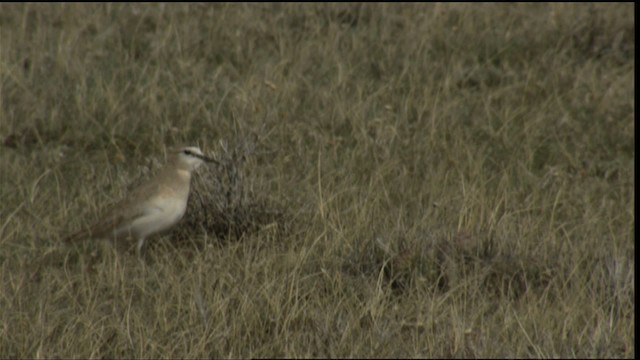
[(187, 152)]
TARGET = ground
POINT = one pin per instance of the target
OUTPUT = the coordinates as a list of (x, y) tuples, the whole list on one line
[(396, 180)]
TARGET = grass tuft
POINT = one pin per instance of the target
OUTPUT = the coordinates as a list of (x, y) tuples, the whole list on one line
[(394, 180)]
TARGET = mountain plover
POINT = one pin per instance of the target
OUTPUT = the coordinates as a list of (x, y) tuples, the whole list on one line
[(153, 207)]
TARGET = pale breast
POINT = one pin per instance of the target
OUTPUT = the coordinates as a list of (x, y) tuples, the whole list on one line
[(162, 213)]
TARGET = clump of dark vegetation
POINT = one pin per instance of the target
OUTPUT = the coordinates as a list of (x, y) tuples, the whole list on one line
[(448, 262), (224, 202)]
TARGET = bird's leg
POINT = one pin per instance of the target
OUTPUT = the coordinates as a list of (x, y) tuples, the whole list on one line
[(139, 246)]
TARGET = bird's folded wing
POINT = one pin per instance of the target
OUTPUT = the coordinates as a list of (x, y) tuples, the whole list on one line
[(106, 227), (124, 211)]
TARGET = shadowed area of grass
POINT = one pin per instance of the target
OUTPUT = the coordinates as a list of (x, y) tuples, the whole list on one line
[(416, 180)]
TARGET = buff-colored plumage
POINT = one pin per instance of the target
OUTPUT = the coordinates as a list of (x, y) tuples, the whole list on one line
[(153, 207)]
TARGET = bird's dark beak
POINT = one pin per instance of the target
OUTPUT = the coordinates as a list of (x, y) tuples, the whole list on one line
[(208, 159)]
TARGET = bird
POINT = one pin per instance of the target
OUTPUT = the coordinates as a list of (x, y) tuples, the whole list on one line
[(153, 207)]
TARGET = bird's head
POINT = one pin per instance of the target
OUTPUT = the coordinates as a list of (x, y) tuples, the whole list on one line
[(191, 157)]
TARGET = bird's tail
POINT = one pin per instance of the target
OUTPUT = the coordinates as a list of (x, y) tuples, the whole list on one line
[(77, 236), (98, 230), (84, 234)]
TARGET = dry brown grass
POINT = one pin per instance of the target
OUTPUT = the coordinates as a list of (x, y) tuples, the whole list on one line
[(438, 180)]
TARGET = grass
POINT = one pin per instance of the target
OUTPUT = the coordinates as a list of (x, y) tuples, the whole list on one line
[(421, 180)]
